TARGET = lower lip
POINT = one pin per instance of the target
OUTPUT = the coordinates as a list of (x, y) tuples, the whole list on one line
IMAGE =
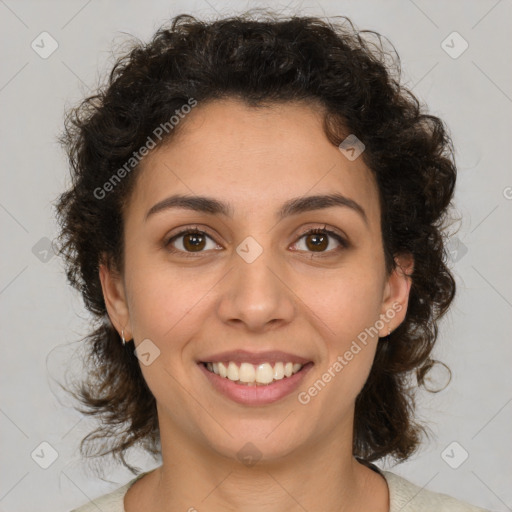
[(256, 395)]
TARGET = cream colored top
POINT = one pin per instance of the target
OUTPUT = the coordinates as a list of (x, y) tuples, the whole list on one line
[(404, 497)]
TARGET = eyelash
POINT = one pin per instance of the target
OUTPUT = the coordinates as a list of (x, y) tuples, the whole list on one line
[(194, 230)]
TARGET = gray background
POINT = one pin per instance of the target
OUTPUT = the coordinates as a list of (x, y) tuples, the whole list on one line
[(42, 318)]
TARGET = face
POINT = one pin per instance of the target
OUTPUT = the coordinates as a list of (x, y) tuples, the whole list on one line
[(251, 279)]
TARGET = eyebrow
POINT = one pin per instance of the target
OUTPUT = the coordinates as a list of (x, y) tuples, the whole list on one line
[(293, 206)]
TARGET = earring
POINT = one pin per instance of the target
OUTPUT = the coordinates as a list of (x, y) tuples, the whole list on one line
[(122, 337), (386, 338)]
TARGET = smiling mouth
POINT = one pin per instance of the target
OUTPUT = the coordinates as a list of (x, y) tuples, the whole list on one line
[(254, 375)]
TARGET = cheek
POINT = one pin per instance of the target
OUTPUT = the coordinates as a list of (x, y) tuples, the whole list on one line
[(348, 306), (347, 301), (166, 308), (347, 309), (166, 302)]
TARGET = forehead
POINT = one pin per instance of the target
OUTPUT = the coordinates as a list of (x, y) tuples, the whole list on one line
[(252, 157)]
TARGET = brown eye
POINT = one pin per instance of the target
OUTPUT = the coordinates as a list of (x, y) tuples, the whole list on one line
[(318, 240), (189, 241), (194, 242)]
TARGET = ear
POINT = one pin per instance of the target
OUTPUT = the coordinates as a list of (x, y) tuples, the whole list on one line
[(114, 295), (396, 294)]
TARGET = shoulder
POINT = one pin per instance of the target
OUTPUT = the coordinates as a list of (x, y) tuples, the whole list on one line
[(112, 502), (405, 496)]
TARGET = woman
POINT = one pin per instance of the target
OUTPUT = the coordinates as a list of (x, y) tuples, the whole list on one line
[(256, 220)]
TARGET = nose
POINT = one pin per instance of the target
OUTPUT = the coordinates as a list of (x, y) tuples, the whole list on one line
[(256, 296)]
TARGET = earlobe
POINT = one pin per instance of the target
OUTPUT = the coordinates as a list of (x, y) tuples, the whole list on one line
[(115, 299), (396, 298)]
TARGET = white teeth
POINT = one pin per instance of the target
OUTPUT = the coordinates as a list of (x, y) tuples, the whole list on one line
[(223, 372), (232, 373), (250, 374), (264, 373), (278, 371), (246, 373)]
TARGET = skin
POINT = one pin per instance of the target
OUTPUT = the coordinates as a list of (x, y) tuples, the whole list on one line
[(290, 298)]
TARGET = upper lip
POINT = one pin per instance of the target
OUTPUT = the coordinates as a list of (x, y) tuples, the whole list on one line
[(240, 356)]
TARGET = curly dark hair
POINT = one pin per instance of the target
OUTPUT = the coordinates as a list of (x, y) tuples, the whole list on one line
[(261, 60)]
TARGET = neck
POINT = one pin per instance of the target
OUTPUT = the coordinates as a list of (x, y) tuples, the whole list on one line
[(322, 476)]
